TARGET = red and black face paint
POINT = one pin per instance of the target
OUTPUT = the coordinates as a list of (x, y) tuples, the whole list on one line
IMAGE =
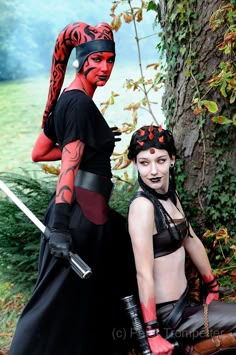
[(87, 40), (98, 67), (85, 49)]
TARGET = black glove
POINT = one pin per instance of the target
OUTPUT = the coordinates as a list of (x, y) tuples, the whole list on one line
[(116, 132), (59, 237), (60, 243)]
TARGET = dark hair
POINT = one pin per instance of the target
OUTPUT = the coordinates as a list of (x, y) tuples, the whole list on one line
[(151, 136)]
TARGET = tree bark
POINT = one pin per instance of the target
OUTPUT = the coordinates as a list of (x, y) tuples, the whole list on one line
[(194, 144)]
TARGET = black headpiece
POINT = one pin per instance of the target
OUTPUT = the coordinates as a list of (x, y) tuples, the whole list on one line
[(147, 137)]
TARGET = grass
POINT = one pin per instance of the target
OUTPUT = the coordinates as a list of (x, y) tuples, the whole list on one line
[(21, 108), (10, 308), (22, 105)]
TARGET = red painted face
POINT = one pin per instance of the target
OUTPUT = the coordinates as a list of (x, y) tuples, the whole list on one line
[(152, 150), (73, 35), (98, 67)]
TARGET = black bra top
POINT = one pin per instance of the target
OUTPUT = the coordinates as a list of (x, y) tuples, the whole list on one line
[(163, 243), (170, 236)]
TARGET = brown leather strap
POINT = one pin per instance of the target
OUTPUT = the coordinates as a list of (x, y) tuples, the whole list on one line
[(216, 343)]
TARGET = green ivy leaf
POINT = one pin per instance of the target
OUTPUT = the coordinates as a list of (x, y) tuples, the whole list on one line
[(221, 120), (234, 120), (223, 89), (183, 50), (232, 97), (152, 6), (210, 105), (224, 197)]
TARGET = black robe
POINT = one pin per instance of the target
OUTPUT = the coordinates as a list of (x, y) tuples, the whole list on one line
[(67, 315)]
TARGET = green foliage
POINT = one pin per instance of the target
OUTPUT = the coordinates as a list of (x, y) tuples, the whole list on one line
[(19, 238), (181, 177), (221, 194), (223, 77), (176, 42), (121, 197), (221, 250), (179, 21)]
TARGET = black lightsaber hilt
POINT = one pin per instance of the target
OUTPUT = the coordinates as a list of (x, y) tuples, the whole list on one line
[(76, 263), (133, 313)]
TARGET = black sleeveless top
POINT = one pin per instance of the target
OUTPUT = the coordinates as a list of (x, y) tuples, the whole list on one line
[(170, 236)]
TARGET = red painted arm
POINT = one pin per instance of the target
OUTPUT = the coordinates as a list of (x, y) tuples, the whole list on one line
[(213, 287), (71, 157), (157, 343), (45, 149)]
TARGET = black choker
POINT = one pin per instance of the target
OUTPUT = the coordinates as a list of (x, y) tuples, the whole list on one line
[(163, 196), (168, 194)]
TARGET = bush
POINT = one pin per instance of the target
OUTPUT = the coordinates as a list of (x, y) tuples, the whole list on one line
[(121, 196), (19, 237)]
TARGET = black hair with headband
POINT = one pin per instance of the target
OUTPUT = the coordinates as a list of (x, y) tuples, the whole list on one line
[(151, 136)]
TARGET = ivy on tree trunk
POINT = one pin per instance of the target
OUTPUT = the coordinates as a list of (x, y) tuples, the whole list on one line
[(208, 149)]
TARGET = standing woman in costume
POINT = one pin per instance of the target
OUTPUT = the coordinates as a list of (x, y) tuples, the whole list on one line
[(67, 315), (161, 235)]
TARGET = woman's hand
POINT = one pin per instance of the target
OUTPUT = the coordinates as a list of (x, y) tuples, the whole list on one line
[(213, 289), (159, 345), (211, 297)]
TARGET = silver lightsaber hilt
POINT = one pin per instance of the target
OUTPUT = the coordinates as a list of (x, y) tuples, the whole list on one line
[(76, 263)]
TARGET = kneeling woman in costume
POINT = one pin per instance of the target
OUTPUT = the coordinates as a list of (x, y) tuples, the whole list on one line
[(67, 315), (161, 235)]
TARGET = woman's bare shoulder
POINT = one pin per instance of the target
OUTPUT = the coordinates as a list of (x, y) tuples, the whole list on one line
[(141, 202)]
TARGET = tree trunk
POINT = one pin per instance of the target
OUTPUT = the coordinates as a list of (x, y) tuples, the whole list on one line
[(194, 138)]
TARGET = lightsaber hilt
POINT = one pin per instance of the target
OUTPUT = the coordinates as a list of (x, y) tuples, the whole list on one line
[(133, 313), (76, 263)]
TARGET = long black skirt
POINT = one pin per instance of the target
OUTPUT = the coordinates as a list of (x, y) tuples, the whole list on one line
[(67, 315)]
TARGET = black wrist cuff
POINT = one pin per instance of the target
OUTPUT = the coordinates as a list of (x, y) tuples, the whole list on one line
[(152, 324), (214, 291), (211, 282), (62, 216), (151, 333)]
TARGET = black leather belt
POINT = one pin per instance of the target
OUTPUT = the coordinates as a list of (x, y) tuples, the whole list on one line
[(93, 182)]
